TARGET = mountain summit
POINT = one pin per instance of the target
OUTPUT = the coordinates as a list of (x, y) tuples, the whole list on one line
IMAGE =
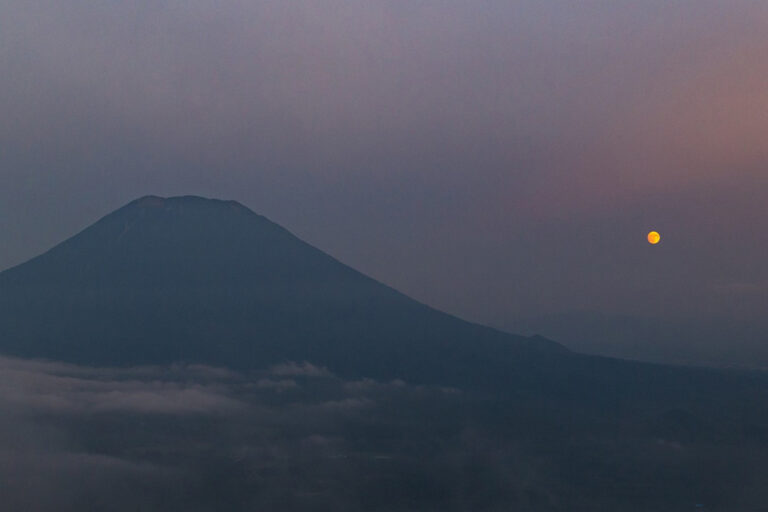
[(208, 281)]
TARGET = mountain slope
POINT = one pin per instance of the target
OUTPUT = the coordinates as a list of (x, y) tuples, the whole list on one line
[(208, 281)]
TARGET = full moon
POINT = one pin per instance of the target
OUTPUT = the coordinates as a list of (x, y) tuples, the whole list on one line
[(654, 237)]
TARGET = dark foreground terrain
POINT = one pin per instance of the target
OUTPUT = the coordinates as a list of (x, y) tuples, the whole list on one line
[(188, 354)]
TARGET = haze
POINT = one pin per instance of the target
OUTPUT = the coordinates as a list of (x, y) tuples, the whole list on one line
[(502, 161)]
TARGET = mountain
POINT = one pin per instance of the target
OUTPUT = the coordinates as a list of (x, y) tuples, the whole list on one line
[(202, 281), (209, 281), (479, 420)]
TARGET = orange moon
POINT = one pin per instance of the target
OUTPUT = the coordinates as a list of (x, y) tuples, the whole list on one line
[(654, 237)]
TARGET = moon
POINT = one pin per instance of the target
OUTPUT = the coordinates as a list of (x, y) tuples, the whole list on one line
[(654, 237)]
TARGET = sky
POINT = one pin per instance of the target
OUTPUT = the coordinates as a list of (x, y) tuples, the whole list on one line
[(502, 161)]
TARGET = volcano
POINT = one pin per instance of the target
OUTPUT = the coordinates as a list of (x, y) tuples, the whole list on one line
[(195, 280)]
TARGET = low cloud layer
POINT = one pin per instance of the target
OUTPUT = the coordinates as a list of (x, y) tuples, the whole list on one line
[(82, 438), (295, 437), (63, 389)]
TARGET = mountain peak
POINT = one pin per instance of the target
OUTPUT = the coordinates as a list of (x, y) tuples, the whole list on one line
[(186, 201)]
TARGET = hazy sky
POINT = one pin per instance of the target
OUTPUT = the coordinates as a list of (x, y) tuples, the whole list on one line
[(501, 160)]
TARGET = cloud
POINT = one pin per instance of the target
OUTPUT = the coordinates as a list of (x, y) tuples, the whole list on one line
[(74, 437), (303, 369), (46, 387), (277, 385), (196, 438)]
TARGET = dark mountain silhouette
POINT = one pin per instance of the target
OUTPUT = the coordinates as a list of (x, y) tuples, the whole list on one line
[(197, 280), (208, 281)]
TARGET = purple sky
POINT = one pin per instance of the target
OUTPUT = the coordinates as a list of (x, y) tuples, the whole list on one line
[(499, 160)]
